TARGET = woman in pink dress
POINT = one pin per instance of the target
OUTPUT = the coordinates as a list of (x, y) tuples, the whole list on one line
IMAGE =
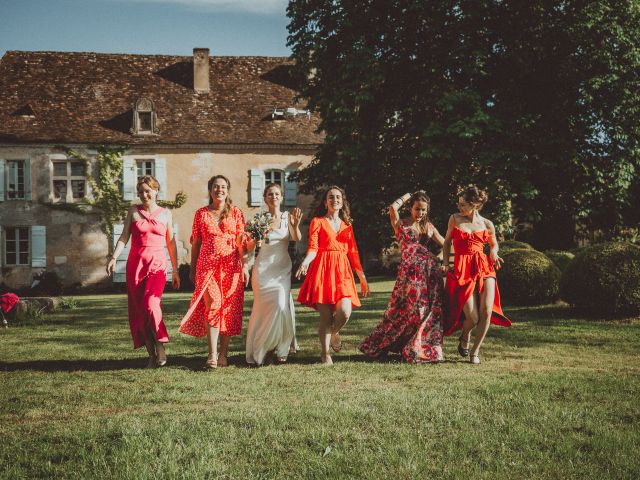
[(219, 271), (150, 229)]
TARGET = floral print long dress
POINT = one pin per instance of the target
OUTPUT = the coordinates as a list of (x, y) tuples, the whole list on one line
[(413, 322)]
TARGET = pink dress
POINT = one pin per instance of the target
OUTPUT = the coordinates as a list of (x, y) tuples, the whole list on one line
[(146, 278), (219, 271)]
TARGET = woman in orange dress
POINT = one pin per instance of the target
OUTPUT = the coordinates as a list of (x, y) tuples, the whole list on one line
[(471, 286), (329, 286), (219, 272)]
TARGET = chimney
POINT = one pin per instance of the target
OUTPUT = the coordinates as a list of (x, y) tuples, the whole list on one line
[(201, 70)]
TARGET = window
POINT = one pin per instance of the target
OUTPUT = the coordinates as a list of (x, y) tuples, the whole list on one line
[(69, 180), (17, 246), (15, 179), (144, 117), (145, 167), (274, 176)]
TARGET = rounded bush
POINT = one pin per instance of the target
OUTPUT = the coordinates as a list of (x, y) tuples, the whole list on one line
[(561, 258), (604, 280), (528, 277), (514, 244)]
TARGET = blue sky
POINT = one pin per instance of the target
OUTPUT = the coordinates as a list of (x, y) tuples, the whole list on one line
[(174, 27)]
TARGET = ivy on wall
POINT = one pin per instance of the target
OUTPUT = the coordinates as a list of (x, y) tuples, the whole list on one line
[(107, 201)]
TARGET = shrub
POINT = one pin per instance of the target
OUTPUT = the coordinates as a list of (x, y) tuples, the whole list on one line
[(68, 303), (528, 277), (561, 258), (514, 244), (30, 312), (604, 280)]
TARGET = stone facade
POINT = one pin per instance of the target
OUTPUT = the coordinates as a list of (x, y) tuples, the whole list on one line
[(189, 135)]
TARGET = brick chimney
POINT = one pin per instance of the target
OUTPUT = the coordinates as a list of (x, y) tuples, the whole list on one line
[(201, 70)]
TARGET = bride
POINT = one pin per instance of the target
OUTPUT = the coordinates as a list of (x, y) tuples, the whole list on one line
[(271, 329)]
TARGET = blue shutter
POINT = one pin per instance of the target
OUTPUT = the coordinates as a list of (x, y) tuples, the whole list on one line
[(119, 274), (290, 190), (160, 168), (129, 177), (256, 186), (27, 179), (1, 180), (38, 246)]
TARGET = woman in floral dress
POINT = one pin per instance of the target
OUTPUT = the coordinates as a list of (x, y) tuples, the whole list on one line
[(219, 271), (412, 323)]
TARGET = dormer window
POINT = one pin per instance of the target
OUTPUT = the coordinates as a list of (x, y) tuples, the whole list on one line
[(144, 117)]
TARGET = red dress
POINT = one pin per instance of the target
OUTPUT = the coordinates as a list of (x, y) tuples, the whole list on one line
[(412, 322), (146, 277), (219, 271), (470, 267), (329, 277)]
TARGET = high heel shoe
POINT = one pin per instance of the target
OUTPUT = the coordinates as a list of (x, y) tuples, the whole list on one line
[(474, 359), (462, 350)]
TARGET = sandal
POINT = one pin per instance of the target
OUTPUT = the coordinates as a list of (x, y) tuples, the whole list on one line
[(223, 363), (326, 359), (161, 360), (152, 363), (211, 363), (474, 359), (336, 343), (462, 350)]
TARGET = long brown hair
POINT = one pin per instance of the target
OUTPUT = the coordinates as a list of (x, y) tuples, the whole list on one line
[(421, 196), (345, 213), (228, 204)]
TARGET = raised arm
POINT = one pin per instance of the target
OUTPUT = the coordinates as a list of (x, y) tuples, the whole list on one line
[(122, 241), (446, 244), (394, 209), (294, 224)]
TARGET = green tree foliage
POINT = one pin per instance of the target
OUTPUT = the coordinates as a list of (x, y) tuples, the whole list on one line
[(536, 101)]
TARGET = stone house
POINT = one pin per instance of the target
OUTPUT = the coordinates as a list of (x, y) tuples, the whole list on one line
[(182, 119)]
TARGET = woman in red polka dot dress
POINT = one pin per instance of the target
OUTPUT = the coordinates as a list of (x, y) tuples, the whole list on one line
[(219, 272)]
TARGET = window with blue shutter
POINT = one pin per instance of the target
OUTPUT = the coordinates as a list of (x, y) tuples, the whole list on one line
[(256, 186)]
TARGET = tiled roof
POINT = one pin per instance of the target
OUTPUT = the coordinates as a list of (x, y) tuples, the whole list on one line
[(56, 97)]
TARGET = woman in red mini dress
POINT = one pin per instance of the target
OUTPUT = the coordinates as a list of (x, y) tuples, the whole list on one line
[(219, 272), (471, 286), (329, 286)]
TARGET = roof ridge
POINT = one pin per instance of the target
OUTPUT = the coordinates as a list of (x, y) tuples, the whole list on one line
[(110, 54)]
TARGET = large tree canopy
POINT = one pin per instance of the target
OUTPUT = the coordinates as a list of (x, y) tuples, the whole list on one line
[(537, 101)]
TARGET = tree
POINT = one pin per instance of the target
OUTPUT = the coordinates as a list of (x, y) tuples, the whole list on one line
[(536, 101)]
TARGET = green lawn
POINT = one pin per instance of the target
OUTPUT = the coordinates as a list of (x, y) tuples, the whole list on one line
[(555, 397)]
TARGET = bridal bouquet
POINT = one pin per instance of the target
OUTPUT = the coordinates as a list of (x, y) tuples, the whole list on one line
[(259, 226)]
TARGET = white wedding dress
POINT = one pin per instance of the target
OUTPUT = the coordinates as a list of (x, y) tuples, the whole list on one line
[(272, 322)]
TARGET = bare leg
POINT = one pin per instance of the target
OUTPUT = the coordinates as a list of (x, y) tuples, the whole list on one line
[(470, 320), (151, 350), (486, 308), (340, 318), (324, 332), (212, 334), (224, 350)]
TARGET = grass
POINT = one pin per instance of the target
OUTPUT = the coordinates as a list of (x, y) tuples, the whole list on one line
[(555, 397)]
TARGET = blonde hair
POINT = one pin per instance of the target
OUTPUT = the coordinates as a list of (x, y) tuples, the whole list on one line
[(150, 181)]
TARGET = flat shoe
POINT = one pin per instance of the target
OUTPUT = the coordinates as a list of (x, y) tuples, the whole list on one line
[(474, 359), (461, 350), (211, 364)]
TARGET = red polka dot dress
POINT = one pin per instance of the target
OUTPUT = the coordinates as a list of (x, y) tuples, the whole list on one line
[(219, 271)]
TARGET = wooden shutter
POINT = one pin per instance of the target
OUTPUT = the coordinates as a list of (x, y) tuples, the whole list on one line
[(38, 246), (27, 179), (256, 186), (160, 167), (119, 274), (290, 190), (129, 177), (1, 180)]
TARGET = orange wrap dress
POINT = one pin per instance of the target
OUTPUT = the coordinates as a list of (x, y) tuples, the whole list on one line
[(470, 267), (219, 271), (330, 277)]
